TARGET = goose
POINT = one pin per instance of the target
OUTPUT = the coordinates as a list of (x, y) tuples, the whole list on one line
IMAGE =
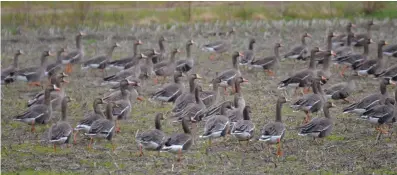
[(269, 63), (56, 97), (319, 127), (122, 110), (100, 61), (243, 130), (75, 56), (299, 52), (122, 62), (228, 76), (195, 111), (125, 87), (134, 71), (211, 97), (10, 70), (338, 41), (170, 92), (274, 132), (390, 50), (187, 64), (159, 57), (381, 115), (371, 66), (320, 56), (152, 140), (166, 68), (302, 78), (186, 98), (56, 67), (179, 142), (217, 47), (359, 39), (33, 75), (369, 101), (236, 114), (103, 128), (311, 103), (147, 66), (39, 113), (53, 81), (325, 72), (249, 54), (61, 132), (216, 126), (341, 91), (345, 49), (389, 73), (89, 118)]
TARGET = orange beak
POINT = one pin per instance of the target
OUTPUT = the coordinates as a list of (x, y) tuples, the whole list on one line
[(241, 54), (308, 35), (245, 80), (140, 98), (333, 53)]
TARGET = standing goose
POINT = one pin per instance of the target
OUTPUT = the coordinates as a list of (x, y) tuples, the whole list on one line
[(341, 38), (122, 110), (311, 103), (346, 49), (325, 72), (34, 75), (121, 63), (302, 78), (133, 71), (61, 131), (211, 97), (228, 76), (320, 56), (170, 92), (236, 114), (153, 139), (39, 113), (56, 97), (341, 91), (351, 59), (216, 126), (103, 128), (389, 73), (89, 118), (6, 72), (274, 132), (179, 142), (124, 86), (186, 98), (159, 57), (369, 101), (249, 54), (147, 66), (319, 127), (299, 52), (390, 51), (100, 61), (187, 64), (166, 68), (359, 39), (56, 67), (75, 56), (371, 66), (217, 47), (243, 130), (382, 114), (269, 63)]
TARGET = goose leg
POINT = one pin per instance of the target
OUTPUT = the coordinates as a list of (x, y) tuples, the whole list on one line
[(68, 68), (140, 151), (212, 57), (118, 130), (33, 128), (90, 143), (381, 130), (279, 152), (55, 148), (342, 73), (74, 137), (307, 118), (179, 155)]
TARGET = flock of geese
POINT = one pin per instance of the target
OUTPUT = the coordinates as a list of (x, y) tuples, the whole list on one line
[(193, 105)]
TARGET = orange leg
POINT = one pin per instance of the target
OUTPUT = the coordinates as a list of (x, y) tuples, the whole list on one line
[(118, 130), (140, 98), (270, 73), (306, 90), (279, 152), (35, 83), (68, 68), (140, 151), (90, 143), (55, 148), (212, 57), (225, 91), (74, 137), (179, 155), (342, 73), (33, 129), (381, 130), (307, 118)]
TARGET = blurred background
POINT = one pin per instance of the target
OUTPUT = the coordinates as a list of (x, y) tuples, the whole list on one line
[(98, 14)]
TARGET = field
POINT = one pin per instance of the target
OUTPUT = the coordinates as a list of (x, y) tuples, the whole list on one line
[(351, 149)]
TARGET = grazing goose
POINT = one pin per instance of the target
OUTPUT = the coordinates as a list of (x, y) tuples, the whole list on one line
[(34, 75), (216, 126), (159, 57), (391, 50), (186, 98), (311, 103), (100, 61), (369, 101), (217, 47), (339, 41), (179, 142), (274, 132), (341, 91), (75, 56), (170, 92), (371, 66), (56, 97), (299, 52), (134, 71), (166, 68), (243, 130), (89, 118), (382, 114), (269, 63), (152, 140), (122, 62), (351, 59), (39, 113), (228, 76), (359, 39), (249, 54), (103, 128), (187, 64), (61, 131), (56, 67), (7, 72), (319, 127), (302, 78)]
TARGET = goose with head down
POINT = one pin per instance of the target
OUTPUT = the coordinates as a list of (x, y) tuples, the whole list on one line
[(299, 52), (390, 50), (341, 91)]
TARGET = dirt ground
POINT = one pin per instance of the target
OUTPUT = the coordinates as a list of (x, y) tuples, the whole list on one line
[(351, 149)]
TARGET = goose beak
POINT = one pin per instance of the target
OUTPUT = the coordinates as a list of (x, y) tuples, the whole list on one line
[(65, 81), (140, 42), (245, 80), (83, 34), (281, 45), (308, 35), (198, 76), (392, 82), (118, 45), (140, 98), (241, 54), (323, 78), (21, 52), (56, 88), (386, 43), (51, 53), (143, 55), (333, 53), (335, 34), (64, 75), (178, 51), (371, 41), (333, 105), (192, 42), (321, 50)]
